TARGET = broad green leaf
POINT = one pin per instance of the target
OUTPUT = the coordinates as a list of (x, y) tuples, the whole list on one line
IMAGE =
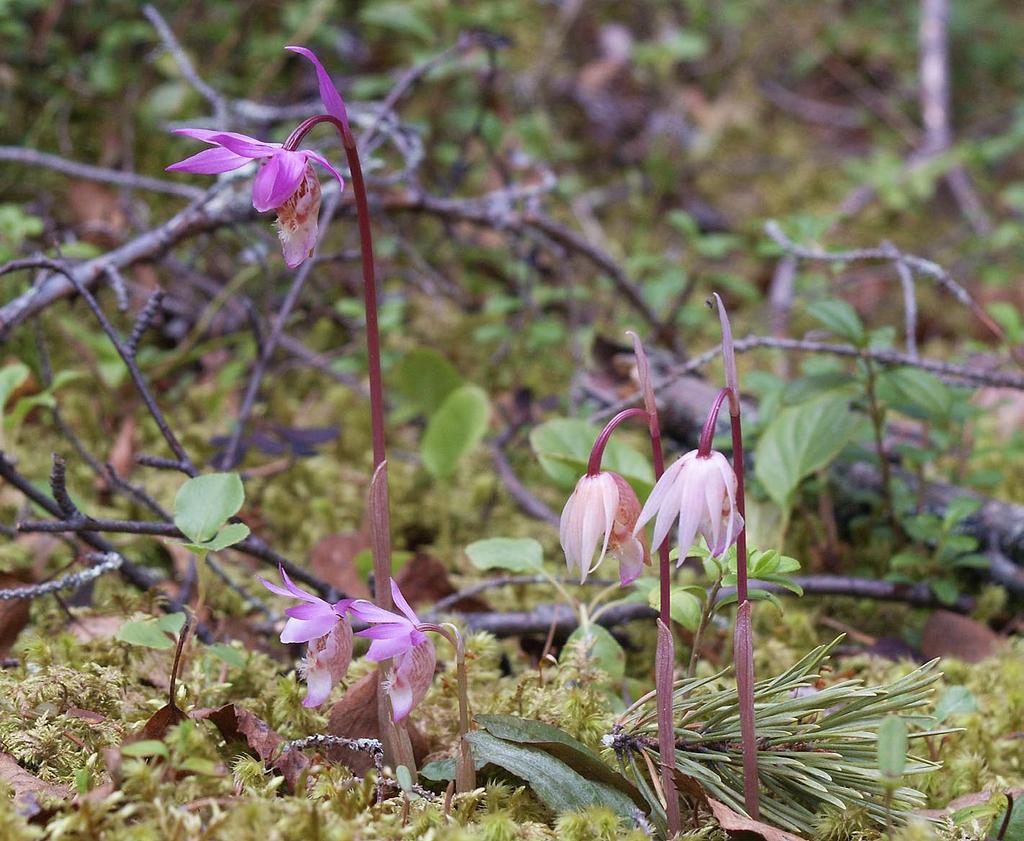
[(145, 749), (560, 744), (563, 448), (959, 509), (554, 782), (515, 554), (231, 534), (155, 632), (800, 440), (602, 648), (12, 376), (685, 605), (916, 392), (957, 700), (454, 430), (227, 654), (892, 748), (840, 318), (945, 590), (425, 378), (205, 503)]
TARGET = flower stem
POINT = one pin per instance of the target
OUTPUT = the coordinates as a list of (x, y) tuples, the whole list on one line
[(465, 771), (597, 453), (707, 434)]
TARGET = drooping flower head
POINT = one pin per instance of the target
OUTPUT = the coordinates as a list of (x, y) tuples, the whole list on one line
[(701, 492), (598, 518), (397, 637), (328, 631), (286, 181)]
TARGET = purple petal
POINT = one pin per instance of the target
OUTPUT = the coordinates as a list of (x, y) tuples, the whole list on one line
[(318, 687), (277, 180), (320, 159), (369, 612), (414, 672), (240, 144), (210, 162), (312, 610), (387, 648), (294, 590), (403, 605), (390, 630), (328, 93), (302, 630)]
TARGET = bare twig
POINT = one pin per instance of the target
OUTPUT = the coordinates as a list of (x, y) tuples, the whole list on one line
[(31, 157), (518, 491), (103, 563)]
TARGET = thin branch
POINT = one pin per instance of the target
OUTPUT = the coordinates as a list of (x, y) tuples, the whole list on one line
[(518, 491), (104, 563), (31, 157)]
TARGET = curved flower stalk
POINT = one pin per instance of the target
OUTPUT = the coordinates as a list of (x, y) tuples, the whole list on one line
[(601, 512), (326, 629)]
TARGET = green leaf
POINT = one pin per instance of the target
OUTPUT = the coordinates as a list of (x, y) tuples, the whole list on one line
[(945, 590), (959, 509), (397, 16), (515, 554), (152, 632), (563, 445), (227, 654), (799, 441), (228, 536), (425, 378), (916, 392), (957, 700), (560, 744), (554, 782), (892, 748), (602, 648), (840, 318), (205, 503), (145, 748), (685, 605), (454, 430), (12, 377)]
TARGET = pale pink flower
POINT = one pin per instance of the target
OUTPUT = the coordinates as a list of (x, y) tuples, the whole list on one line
[(701, 492), (327, 630), (598, 518), (398, 638)]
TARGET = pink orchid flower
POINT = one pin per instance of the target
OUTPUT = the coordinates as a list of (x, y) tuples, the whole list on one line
[(701, 492), (601, 512), (286, 181), (327, 630), (399, 638)]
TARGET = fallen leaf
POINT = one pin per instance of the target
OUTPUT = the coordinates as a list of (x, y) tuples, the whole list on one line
[(424, 580), (333, 560), (160, 722), (96, 213), (14, 614), (355, 717), (27, 787), (238, 724), (98, 627), (735, 822), (948, 634)]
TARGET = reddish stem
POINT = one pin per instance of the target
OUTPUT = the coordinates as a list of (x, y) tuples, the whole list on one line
[(597, 453)]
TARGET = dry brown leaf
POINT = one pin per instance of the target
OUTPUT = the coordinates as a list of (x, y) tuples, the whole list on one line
[(96, 213), (333, 560), (14, 614), (424, 580), (238, 724), (160, 722), (88, 628), (948, 634), (27, 787), (735, 822), (355, 717), (122, 453)]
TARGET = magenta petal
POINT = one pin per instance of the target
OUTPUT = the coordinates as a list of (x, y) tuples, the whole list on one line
[(277, 180), (312, 610), (328, 93), (302, 630), (388, 631), (241, 144), (294, 590), (210, 162), (369, 612), (385, 649), (320, 159), (403, 605)]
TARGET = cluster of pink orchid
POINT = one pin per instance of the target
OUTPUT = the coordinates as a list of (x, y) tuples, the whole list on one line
[(602, 516), (327, 629)]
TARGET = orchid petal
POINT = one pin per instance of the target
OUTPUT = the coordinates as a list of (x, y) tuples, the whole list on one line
[(403, 605), (328, 93), (318, 687), (631, 560), (210, 162), (385, 649), (240, 144), (311, 610), (294, 589), (304, 630), (369, 612), (414, 672), (320, 159), (277, 180)]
